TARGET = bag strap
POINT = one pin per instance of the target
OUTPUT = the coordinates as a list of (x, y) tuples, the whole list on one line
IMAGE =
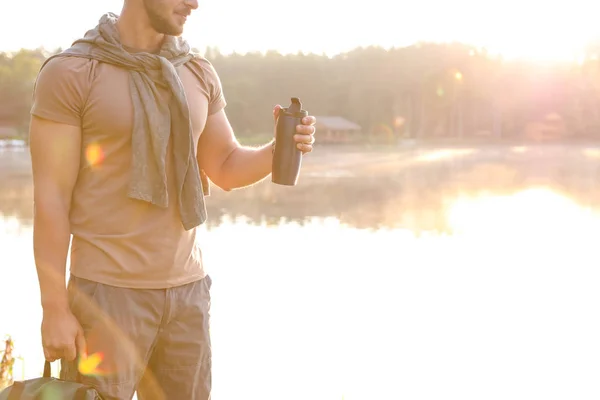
[(16, 391), (47, 370)]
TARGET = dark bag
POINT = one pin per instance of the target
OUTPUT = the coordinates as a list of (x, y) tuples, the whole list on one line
[(48, 388)]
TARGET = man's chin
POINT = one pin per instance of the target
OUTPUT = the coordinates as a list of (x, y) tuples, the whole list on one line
[(173, 31), (176, 30)]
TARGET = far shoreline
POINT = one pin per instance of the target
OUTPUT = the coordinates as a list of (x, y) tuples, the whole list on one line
[(15, 162)]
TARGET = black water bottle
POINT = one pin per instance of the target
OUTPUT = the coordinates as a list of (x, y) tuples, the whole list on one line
[(287, 157)]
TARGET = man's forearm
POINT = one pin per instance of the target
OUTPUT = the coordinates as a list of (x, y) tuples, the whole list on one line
[(51, 237), (246, 166)]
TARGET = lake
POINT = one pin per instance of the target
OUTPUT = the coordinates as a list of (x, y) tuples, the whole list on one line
[(412, 273)]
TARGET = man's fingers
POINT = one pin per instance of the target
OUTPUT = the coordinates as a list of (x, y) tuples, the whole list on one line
[(81, 345), (308, 139), (49, 356), (70, 352), (310, 120), (305, 148), (305, 129), (276, 111), (53, 353)]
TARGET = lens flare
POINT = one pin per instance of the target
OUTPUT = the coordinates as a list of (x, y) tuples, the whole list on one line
[(88, 365), (94, 154)]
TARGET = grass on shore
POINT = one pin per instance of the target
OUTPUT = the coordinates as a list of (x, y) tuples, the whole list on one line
[(6, 364)]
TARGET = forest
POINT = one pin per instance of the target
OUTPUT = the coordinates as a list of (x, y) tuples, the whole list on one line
[(427, 90)]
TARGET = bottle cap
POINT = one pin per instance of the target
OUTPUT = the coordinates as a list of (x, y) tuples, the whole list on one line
[(296, 108), (296, 105)]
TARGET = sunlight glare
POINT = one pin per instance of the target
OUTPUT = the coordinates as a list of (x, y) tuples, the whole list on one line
[(538, 215), (443, 155), (94, 154), (591, 153), (88, 365)]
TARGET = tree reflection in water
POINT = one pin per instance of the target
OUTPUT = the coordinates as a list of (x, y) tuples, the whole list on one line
[(403, 189)]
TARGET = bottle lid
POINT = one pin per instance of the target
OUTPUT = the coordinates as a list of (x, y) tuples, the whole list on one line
[(296, 108)]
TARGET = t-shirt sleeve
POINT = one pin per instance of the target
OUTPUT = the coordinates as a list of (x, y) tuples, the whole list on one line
[(216, 101), (61, 90)]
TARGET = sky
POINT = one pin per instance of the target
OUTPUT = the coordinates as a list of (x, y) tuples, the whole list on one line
[(556, 30)]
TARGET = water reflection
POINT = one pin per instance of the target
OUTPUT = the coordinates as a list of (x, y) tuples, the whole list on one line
[(453, 273), (409, 189)]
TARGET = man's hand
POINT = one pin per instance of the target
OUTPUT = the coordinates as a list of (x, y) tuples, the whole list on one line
[(62, 336), (305, 133)]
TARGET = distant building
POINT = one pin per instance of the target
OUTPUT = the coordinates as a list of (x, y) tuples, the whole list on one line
[(549, 127), (334, 129)]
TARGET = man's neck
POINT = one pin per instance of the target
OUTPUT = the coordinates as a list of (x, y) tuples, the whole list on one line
[(135, 32)]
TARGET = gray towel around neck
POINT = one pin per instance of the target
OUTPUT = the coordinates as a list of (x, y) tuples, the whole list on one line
[(154, 119)]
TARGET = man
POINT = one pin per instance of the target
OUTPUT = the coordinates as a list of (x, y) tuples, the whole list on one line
[(126, 126)]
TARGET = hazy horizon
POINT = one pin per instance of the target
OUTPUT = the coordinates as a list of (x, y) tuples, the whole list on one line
[(514, 29)]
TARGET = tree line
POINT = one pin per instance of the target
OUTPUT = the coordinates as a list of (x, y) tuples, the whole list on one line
[(420, 91)]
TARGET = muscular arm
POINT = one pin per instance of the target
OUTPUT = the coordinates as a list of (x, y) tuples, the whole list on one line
[(227, 163), (55, 152)]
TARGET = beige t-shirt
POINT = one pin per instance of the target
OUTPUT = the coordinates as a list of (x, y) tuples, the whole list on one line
[(116, 240)]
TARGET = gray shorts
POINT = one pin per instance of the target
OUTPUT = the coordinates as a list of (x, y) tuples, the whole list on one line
[(154, 341)]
